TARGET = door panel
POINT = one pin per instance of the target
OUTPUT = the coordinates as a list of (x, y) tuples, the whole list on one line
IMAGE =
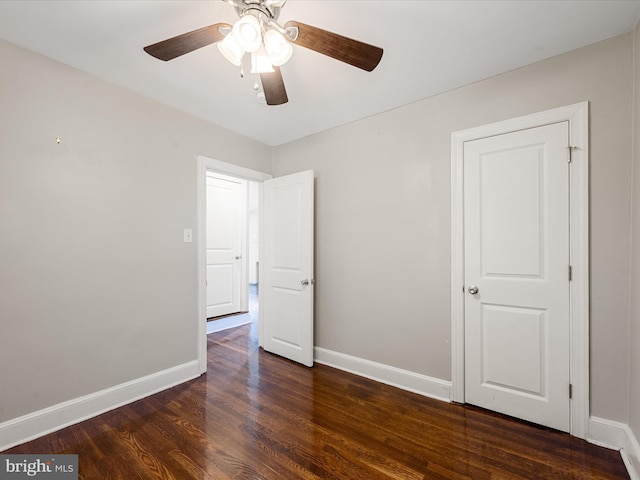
[(516, 211), (512, 348), (226, 199), (510, 212), (286, 302)]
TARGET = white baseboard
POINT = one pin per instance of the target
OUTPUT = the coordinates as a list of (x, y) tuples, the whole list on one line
[(617, 436), (36, 424), (404, 379)]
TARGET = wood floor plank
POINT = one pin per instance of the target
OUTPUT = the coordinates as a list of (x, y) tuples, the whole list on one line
[(257, 416)]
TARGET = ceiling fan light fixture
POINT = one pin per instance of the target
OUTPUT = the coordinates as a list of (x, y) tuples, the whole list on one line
[(230, 49), (257, 31), (248, 33), (260, 62), (278, 48)]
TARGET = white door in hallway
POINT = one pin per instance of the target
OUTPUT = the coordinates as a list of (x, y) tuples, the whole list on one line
[(286, 288), (226, 205), (516, 238)]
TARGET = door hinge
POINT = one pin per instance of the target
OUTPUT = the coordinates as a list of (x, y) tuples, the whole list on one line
[(570, 273), (570, 390), (571, 149)]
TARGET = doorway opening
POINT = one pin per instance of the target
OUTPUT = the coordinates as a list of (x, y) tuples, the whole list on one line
[(205, 165), (232, 252)]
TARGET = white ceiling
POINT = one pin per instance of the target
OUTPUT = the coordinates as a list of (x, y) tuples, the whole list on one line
[(429, 47)]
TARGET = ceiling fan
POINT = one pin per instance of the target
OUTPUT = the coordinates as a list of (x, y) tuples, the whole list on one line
[(258, 33)]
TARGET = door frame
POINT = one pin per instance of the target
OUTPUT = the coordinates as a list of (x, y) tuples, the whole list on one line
[(204, 164), (578, 117)]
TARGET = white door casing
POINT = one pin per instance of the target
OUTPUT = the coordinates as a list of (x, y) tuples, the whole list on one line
[(286, 290), (226, 219), (516, 238), (577, 118)]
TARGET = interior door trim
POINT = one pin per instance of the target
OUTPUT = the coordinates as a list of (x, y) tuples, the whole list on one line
[(578, 117), (205, 164)]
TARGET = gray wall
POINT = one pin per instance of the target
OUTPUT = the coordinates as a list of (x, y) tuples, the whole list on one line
[(634, 330), (383, 207), (96, 286)]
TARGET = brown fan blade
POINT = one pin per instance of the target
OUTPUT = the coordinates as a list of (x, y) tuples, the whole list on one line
[(273, 87), (353, 52), (187, 42)]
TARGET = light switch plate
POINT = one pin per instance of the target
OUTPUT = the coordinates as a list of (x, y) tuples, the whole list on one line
[(188, 235)]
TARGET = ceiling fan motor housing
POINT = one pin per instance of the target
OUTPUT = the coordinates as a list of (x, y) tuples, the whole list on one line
[(271, 10)]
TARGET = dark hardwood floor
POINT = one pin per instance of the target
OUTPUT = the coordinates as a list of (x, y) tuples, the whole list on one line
[(257, 416)]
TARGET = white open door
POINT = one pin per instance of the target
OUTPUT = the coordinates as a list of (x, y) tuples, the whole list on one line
[(225, 213), (286, 288), (516, 239)]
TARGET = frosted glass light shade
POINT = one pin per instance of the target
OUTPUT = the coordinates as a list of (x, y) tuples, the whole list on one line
[(231, 50), (278, 48), (260, 62), (247, 33)]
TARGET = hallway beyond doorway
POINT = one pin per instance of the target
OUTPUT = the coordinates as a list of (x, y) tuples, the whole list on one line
[(231, 321)]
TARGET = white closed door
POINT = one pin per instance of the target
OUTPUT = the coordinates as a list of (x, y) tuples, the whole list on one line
[(516, 222), (226, 203), (286, 288)]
